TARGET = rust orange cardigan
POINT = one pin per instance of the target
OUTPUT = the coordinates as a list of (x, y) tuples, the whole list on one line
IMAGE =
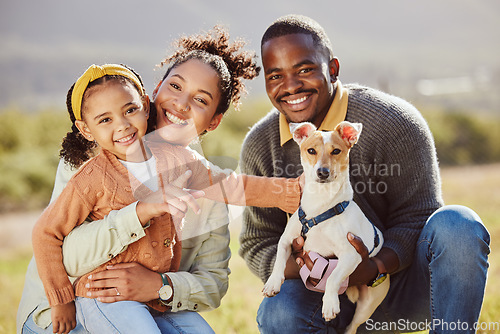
[(104, 184)]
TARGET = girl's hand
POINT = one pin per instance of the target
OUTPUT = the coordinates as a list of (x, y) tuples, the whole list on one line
[(174, 199), (63, 317), (125, 281)]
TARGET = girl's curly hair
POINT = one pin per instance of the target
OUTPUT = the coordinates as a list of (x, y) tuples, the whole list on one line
[(76, 149), (231, 63)]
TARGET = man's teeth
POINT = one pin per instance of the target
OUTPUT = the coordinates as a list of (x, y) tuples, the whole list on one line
[(125, 139), (176, 120), (297, 101)]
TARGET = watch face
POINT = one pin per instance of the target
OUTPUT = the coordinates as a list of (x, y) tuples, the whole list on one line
[(165, 292)]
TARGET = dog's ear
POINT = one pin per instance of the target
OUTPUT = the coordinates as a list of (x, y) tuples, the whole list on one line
[(300, 131), (349, 132)]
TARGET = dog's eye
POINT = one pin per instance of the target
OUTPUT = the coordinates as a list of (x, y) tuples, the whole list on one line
[(311, 151), (336, 151)]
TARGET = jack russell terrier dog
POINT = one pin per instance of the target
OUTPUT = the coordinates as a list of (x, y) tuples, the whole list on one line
[(327, 213)]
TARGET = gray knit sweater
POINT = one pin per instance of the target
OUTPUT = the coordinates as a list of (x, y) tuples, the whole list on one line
[(393, 169)]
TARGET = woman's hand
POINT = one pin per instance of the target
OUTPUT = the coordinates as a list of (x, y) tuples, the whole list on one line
[(125, 281)]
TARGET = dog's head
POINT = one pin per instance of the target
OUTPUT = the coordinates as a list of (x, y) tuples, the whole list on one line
[(325, 154)]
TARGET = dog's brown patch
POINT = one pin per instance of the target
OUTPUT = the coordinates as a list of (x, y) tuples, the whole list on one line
[(327, 148)]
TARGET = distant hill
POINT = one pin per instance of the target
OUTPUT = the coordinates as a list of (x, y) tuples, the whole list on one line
[(431, 52)]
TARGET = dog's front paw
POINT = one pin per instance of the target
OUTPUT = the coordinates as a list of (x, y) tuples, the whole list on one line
[(273, 285), (331, 307)]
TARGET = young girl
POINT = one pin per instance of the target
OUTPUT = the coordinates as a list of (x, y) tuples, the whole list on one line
[(114, 115)]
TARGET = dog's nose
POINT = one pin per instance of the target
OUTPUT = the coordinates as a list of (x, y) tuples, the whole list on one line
[(323, 173)]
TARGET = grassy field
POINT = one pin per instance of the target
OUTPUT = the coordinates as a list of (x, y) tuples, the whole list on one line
[(477, 187)]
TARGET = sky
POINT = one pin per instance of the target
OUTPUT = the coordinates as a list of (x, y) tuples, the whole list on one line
[(406, 47)]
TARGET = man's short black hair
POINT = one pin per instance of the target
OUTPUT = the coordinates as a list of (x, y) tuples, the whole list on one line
[(298, 24)]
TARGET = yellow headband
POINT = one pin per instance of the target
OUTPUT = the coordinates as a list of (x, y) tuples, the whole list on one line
[(95, 72)]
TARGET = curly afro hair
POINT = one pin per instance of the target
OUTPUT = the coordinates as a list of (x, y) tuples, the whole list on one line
[(231, 63)]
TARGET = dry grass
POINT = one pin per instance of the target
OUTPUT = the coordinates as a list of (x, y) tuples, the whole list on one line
[(477, 187)]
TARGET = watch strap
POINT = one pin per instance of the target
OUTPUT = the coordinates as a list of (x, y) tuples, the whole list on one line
[(164, 279), (381, 275), (166, 287)]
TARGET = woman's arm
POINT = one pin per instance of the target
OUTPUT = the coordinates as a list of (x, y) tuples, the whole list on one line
[(202, 279), (110, 238)]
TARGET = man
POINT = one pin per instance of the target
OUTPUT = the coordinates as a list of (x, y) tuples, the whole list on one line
[(395, 176)]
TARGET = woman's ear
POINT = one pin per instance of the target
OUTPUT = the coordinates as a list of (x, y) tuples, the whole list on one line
[(155, 91), (214, 123), (84, 130)]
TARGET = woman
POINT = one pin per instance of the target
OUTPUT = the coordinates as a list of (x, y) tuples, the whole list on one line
[(188, 100)]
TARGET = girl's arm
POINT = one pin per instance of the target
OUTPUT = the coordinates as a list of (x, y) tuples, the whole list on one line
[(196, 289), (56, 221), (244, 190), (111, 235)]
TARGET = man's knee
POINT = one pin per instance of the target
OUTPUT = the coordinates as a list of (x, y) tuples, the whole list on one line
[(274, 315), (457, 225)]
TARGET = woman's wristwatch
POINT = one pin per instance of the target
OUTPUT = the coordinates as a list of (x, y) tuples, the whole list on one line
[(382, 273), (166, 292)]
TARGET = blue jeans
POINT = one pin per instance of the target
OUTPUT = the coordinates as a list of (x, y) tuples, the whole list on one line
[(442, 291), (130, 313)]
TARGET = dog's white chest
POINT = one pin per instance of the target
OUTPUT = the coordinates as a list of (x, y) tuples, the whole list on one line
[(329, 238)]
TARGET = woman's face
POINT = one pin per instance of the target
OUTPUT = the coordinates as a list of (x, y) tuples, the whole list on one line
[(186, 102)]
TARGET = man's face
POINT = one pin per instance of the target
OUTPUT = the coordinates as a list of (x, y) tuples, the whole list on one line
[(299, 77)]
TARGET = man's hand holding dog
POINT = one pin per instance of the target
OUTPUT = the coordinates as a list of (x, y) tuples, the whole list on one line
[(364, 273)]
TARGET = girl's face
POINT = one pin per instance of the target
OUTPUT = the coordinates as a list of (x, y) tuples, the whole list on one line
[(115, 116), (186, 102)]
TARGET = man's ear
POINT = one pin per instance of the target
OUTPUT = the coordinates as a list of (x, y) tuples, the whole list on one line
[(84, 130), (349, 132), (334, 66), (301, 131), (214, 123)]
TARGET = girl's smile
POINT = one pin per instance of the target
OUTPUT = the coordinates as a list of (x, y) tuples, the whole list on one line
[(115, 116)]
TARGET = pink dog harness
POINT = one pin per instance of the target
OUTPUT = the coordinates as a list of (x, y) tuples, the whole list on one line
[(317, 272)]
